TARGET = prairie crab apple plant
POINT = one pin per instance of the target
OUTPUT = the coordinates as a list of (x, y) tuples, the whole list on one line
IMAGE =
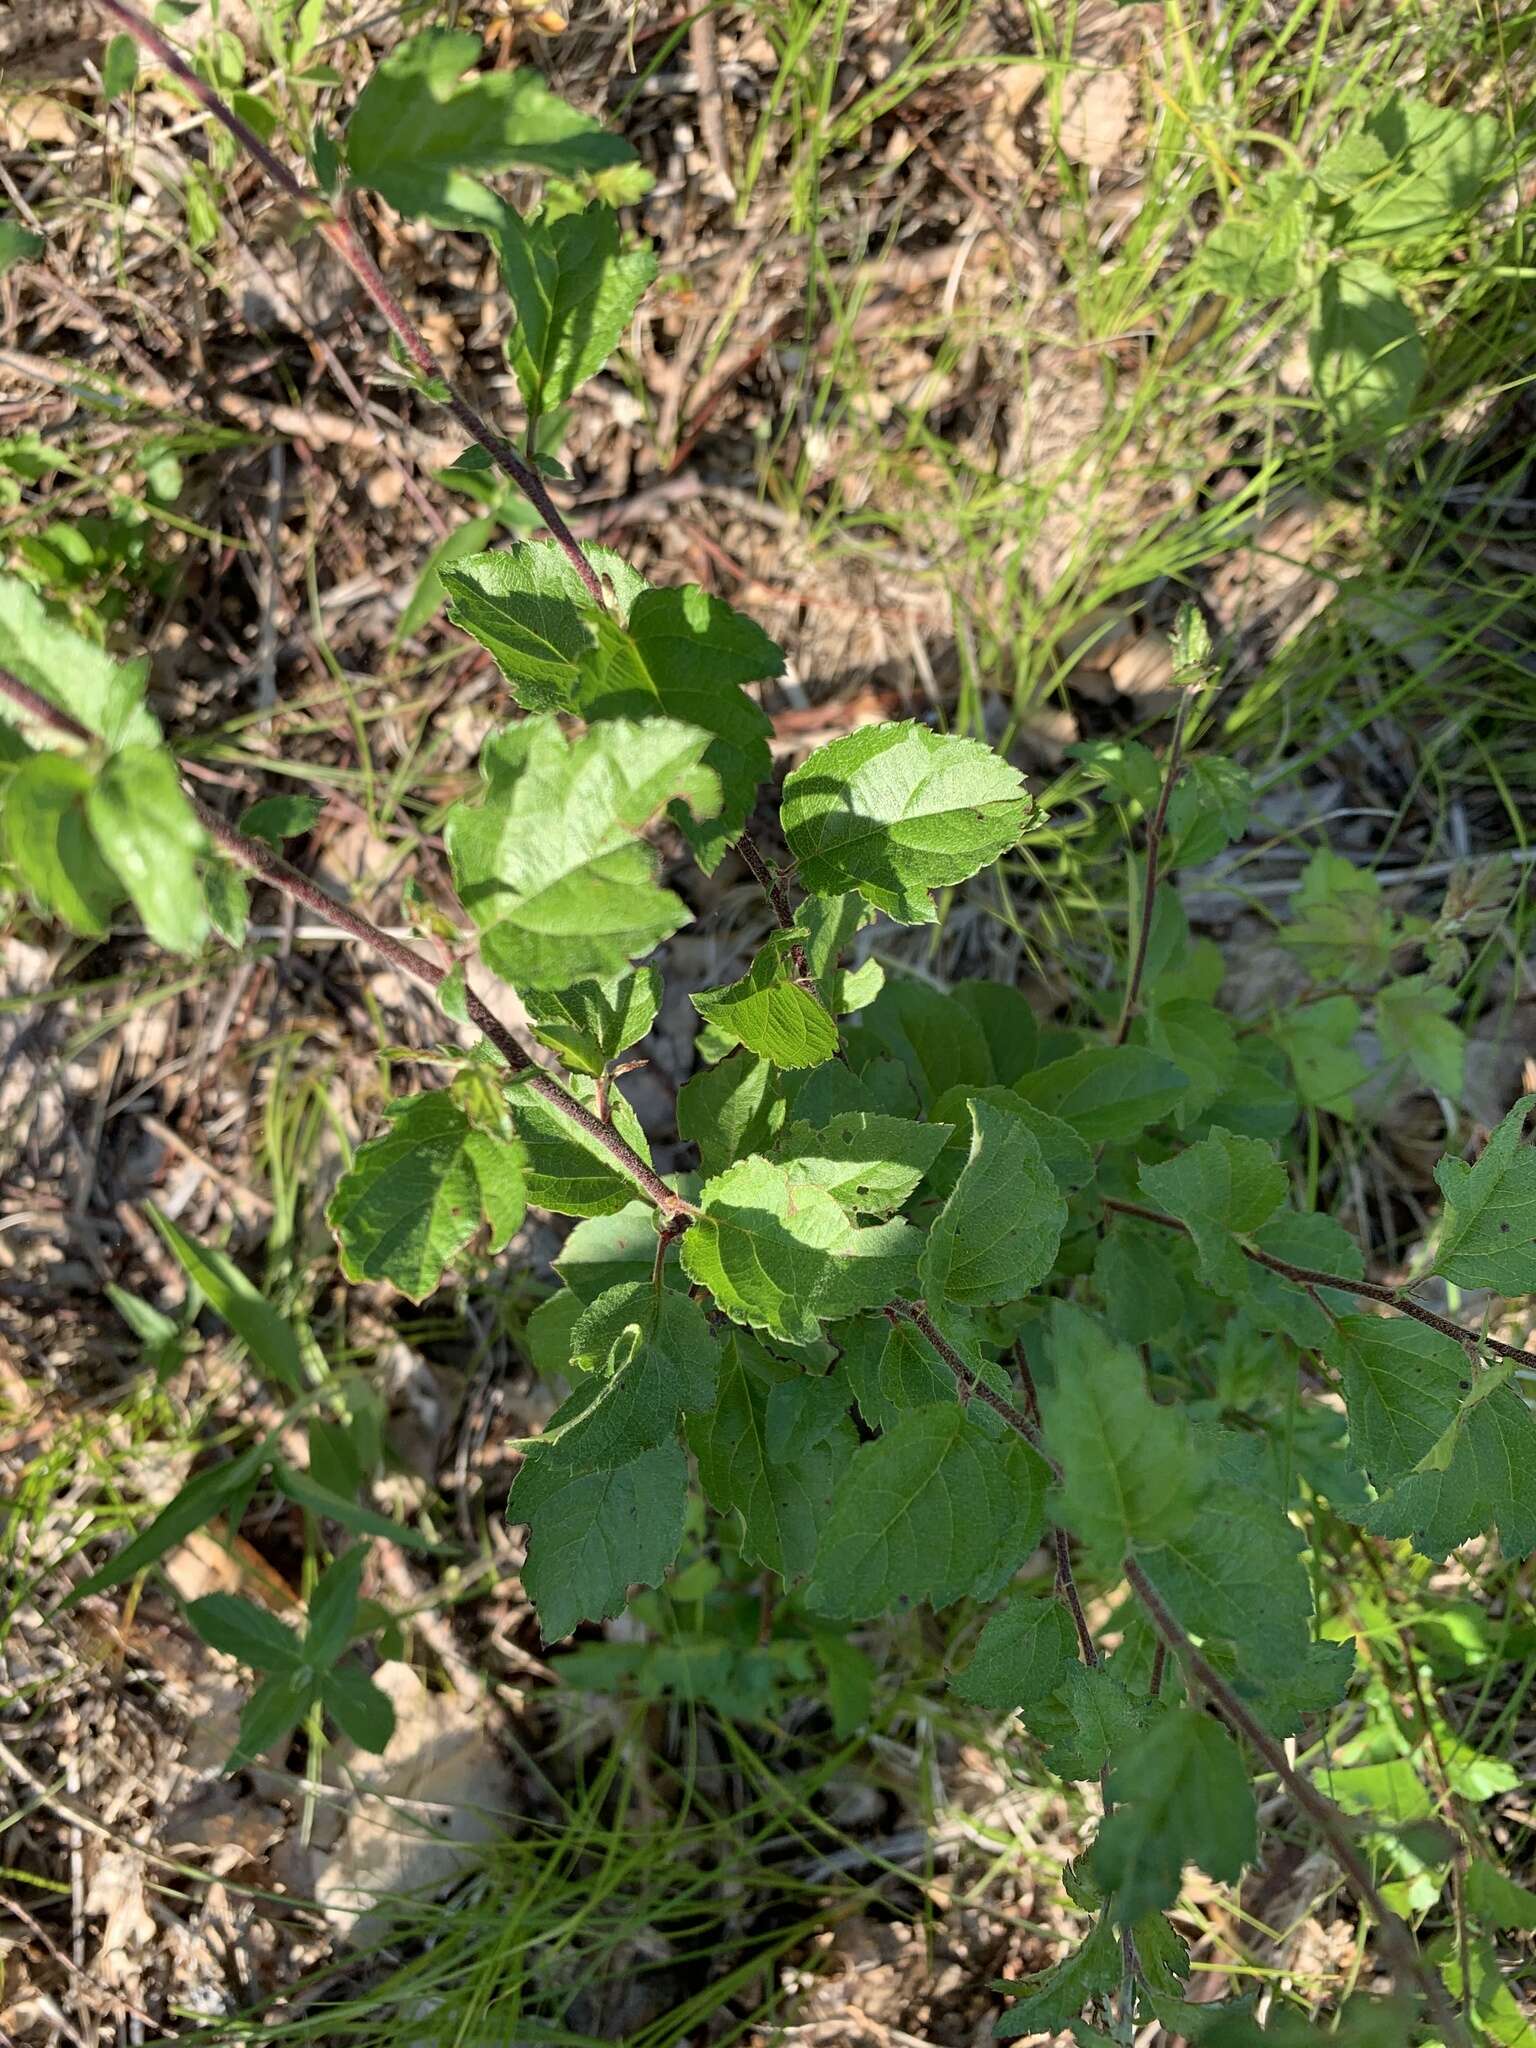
[(948, 1284)]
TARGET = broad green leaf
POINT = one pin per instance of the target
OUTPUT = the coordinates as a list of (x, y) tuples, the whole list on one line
[(17, 244), (1412, 1018), (998, 1233), (1233, 1573), (1024, 1654), (1222, 1190), (546, 861), (1138, 1274), (730, 1109), (1201, 1041), (1091, 1717), (830, 924), (804, 1411), (782, 1490), (769, 1012), (933, 1510), (192, 1508), (1064, 1152), (1131, 1479), (1181, 1795), (363, 1711), (663, 1344), (1340, 925), (895, 811), (268, 1336), (1367, 359), (50, 844), (1318, 1040), (1007, 1023), (228, 901), (1497, 1901), (119, 67), (73, 673), (276, 818), (271, 1714), (1451, 1451), (867, 1162), (528, 607), (332, 1616), (891, 1368), (607, 1251), (1488, 1231), (1207, 811), (420, 128), (1107, 1093), (590, 1023), (938, 1041), (777, 1251), (565, 1169), (547, 1332), (243, 1630), (1314, 1241), (604, 1489), (414, 1197), (573, 290), (1051, 2001), (150, 836), (1256, 254), (1431, 167), (684, 654)]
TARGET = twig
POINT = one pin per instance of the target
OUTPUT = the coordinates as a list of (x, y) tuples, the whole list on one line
[(918, 1317), (348, 245), (1330, 1819), (1149, 891), (260, 860), (1369, 1290)]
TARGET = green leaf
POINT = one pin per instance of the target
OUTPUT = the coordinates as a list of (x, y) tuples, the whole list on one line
[(781, 1489), (119, 67), (565, 1168), (268, 1336), (50, 844), (1318, 1040), (546, 861), (1488, 1230), (933, 1510), (777, 1251), (149, 834), (417, 132), (192, 1508), (1429, 168), (573, 291), (603, 1490), (530, 609), (1068, 1158), (935, 1037), (332, 1616), (998, 1233), (243, 1630), (310, 1493), (1181, 1795), (769, 1012), (228, 902), (868, 1163), (663, 1336), (1367, 359), (363, 1712), (1222, 1190), (1091, 1717), (1497, 1901), (73, 673), (1137, 1272), (425, 600), (1024, 1654), (1054, 1998), (18, 244), (276, 818), (1233, 1573), (1201, 1042), (1412, 1018), (1207, 811), (1130, 1476), (894, 811), (731, 1109), (271, 1714), (414, 1197), (892, 1368), (1107, 1093), (590, 1023), (1256, 254), (610, 1250), (1340, 924), (1450, 1453)]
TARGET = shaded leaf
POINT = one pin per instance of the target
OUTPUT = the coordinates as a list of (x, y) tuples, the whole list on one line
[(998, 1233)]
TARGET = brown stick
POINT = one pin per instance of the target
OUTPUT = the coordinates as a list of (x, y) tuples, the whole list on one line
[(1331, 1820), (348, 245), (260, 860), (1369, 1290)]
